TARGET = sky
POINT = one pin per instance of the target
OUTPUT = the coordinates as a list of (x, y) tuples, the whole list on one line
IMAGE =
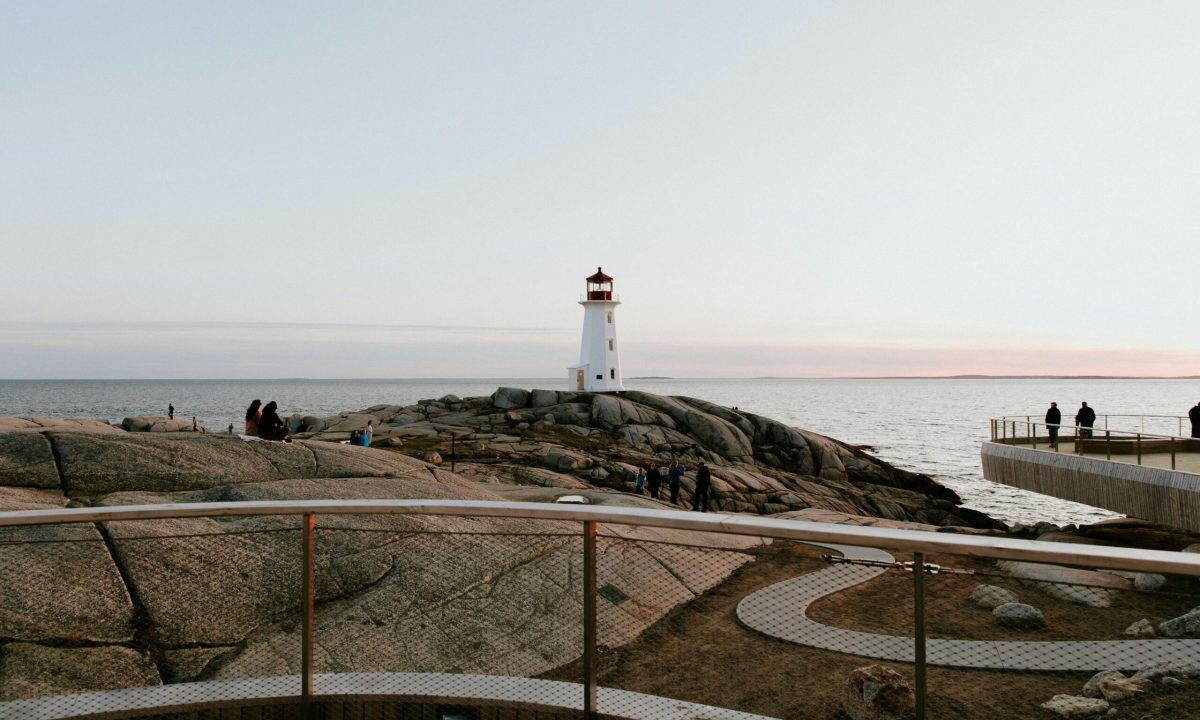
[(391, 189)]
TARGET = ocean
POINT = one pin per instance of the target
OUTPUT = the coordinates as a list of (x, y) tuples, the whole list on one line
[(933, 426)]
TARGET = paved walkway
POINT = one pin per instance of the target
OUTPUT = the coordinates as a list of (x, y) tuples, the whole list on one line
[(781, 611)]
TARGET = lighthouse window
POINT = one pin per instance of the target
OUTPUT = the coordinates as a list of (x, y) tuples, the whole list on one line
[(610, 344), (612, 373), (599, 377), (610, 318)]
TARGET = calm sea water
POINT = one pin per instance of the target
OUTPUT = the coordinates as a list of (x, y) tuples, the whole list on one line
[(929, 426)]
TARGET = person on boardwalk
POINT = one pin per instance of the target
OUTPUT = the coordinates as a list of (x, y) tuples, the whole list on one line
[(703, 483), (1085, 419), (170, 411), (674, 476), (1194, 416), (639, 480), (270, 425), (1053, 420), (653, 480), (253, 413)]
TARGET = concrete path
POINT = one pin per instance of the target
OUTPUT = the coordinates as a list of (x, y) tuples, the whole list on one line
[(781, 611)]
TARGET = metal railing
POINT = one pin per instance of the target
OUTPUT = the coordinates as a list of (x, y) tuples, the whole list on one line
[(223, 592), (1028, 430)]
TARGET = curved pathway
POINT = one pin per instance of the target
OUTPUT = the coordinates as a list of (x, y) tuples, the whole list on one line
[(781, 611)]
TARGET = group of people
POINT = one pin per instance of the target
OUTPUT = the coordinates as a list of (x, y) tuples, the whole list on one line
[(362, 438), (649, 480), (263, 421), (1085, 419)]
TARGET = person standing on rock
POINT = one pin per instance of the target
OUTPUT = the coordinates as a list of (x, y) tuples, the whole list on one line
[(639, 480), (703, 483), (270, 425), (367, 434), (1194, 416), (253, 413), (674, 477), (1085, 418), (170, 411), (1053, 420), (653, 480)]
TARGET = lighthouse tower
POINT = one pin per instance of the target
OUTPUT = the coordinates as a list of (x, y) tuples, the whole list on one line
[(599, 368)]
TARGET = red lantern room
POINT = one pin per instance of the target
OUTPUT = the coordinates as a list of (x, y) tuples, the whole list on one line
[(599, 286)]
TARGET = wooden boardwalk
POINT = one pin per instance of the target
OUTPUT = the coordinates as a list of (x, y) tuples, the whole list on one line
[(1150, 491)]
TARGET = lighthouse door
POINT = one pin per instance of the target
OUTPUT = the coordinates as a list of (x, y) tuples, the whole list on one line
[(579, 379)]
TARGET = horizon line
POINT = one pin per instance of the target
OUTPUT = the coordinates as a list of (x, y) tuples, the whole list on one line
[(967, 376)]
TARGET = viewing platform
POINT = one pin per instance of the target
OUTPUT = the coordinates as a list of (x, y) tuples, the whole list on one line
[(1153, 476)]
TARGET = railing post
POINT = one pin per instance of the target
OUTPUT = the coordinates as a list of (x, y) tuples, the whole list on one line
[(1139, 448), (1171, 444), (308, 595), (919, 632), (1108, 445), (589, 619), (1033, 435)]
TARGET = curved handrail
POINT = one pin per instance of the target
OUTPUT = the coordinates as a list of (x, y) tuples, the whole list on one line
[(998, 548)]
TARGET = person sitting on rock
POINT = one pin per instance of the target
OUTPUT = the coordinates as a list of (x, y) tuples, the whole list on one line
[(270, 425), (253, 413)]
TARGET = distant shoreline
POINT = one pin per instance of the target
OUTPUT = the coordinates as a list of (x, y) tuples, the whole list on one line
[(518, 381)]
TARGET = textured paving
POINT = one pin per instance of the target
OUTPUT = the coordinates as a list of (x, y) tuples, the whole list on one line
[(761, 611)]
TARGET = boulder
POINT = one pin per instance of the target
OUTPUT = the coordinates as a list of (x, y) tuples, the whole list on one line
[(1141, 628), (58, 583), (877, 692), (1019, 616), (155, 424), (991, 596), (1083, 587), (508, 398), (1091, 689), (26, 460), (28, 670), (543, 398), (1186, 625), (1074, 707)]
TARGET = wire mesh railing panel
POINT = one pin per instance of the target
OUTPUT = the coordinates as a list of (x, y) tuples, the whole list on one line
[(1041, 637), (138, 604), (719, 625), (473, 604)]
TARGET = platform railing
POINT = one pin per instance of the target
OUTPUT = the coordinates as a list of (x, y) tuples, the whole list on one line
[(460, 607), (1093, 440)]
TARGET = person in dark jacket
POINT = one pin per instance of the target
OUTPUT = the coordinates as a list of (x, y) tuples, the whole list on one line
[(1053, 420), (653, 480), (1194, 416), (703, 483), (674, 477), (270, 425), (1085, 419)]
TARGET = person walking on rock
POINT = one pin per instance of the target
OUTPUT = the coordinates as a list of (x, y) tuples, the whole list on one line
[(1053, 420), (653, 480), (1085, 418), (674, 477), (639, 480), (1194, 416), (703, 483)]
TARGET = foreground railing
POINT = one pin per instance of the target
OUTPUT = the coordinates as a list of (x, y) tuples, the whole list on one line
[(449, 609), (1126, 445)]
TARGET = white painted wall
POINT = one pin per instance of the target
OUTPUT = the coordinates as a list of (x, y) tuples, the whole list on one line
[(594, 352)]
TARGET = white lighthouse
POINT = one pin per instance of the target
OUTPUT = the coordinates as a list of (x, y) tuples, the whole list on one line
[(599, 368)]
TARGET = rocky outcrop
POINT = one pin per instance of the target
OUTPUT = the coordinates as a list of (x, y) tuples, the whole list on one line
[(115, 604), (599, 440)]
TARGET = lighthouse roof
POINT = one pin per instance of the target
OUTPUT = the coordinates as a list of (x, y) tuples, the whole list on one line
[(599, 277)]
